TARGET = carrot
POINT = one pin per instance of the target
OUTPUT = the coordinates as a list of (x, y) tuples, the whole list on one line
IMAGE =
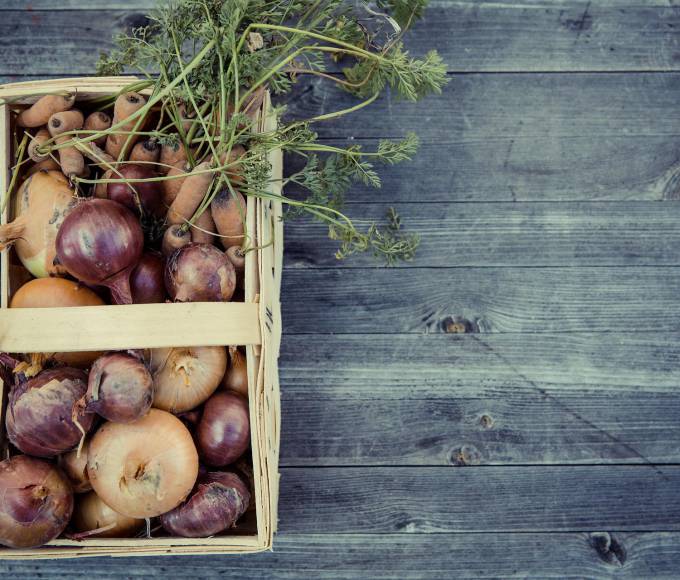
[(36, 141), (204, 229), (148, 150), (171, 187), (98, 121), (125, 105), (70, 159), (231, 157), (48, 164), (186, 117), (92, 151), (191, 194), (100, 188), (40, 112), (172, 155), (174, 238), (229, 214)]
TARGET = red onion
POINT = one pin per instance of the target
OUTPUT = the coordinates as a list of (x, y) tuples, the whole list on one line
[(217, 502), (147, 279), (223, 433), (36, 502), (150, 192), (40, 416), (100, 242), (199, 273), (120, 388)]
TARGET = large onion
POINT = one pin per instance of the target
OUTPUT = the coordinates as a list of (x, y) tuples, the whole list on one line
[(40, 418), (200, 273), (147, 279), (185, 377), (40, 206), (143, 469), (36, 502), (93, 518), (219, 500), (120, 388), (100, 242), (58, 292), (149, 193), (223, 434), (74, 466)]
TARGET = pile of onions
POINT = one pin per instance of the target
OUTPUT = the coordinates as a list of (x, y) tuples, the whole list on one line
[(223, 433), (93, 518), (219, 500), (42, 417), (143, 469), (41, 204), (37, 502), (236, 377), (147, 281), (120, 388), (185, 377), (200, 273), (147, 193), (100, 242), (74, 466)]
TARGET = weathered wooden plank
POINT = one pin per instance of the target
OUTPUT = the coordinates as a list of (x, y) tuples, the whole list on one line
[(593, 556), (509, 234), (471, 36), (422, 300), (483, 499), (443, 400)]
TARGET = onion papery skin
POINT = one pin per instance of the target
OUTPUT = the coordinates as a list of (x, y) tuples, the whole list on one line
[(223, 434), (120, 388), (147, 281), (200, 273), (236, 377), (92, 513), (219, 500), (39, 417), (75, 468), (36, 502), (150, 192), (100, 242), (143, 469), (184, 377)]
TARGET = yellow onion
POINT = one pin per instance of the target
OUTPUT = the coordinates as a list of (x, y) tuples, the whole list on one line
[(40, 206), (185, 377), (92, 517), (143, 469), (236, 377), (74, 466)]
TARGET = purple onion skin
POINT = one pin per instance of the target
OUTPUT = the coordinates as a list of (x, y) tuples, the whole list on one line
[(150, 193), (147, 279), (223, 434), (36, 502), (217, 502), (199, 273), (100, 242), (120, 388), (39, 417)]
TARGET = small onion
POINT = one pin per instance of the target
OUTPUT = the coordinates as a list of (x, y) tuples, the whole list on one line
[(147, 281), (200, 273), (119, 388), (36, 502), (223, 433), (219, 500), (185, 377), (143, 469), (74, 466), (236, 377), (93, 518), (100, 242), (150, 192), (40, 417)]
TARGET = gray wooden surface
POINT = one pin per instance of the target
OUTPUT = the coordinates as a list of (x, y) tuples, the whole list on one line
[(507, 405)]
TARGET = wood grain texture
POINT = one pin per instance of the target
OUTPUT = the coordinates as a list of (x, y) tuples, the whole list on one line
[(509, 234), (486, 300), (471, 36), (454, 400), (585, 555)]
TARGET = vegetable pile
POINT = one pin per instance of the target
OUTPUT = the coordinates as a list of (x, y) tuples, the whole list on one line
[(140, 197)]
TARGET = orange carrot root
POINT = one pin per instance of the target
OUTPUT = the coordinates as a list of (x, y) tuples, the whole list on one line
[(175, 238), (172, 155), (98, 121), (203, 229), (148, 151), (125, 106), (36, 141), (171, 187), (194, 188), (229, 212), (40, 112), (48, 164), (100, 190)]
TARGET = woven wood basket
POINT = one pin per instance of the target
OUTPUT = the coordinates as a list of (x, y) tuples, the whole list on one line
[(255, 323)]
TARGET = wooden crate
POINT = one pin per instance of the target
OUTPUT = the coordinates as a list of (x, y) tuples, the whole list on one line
[(255, 323)]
